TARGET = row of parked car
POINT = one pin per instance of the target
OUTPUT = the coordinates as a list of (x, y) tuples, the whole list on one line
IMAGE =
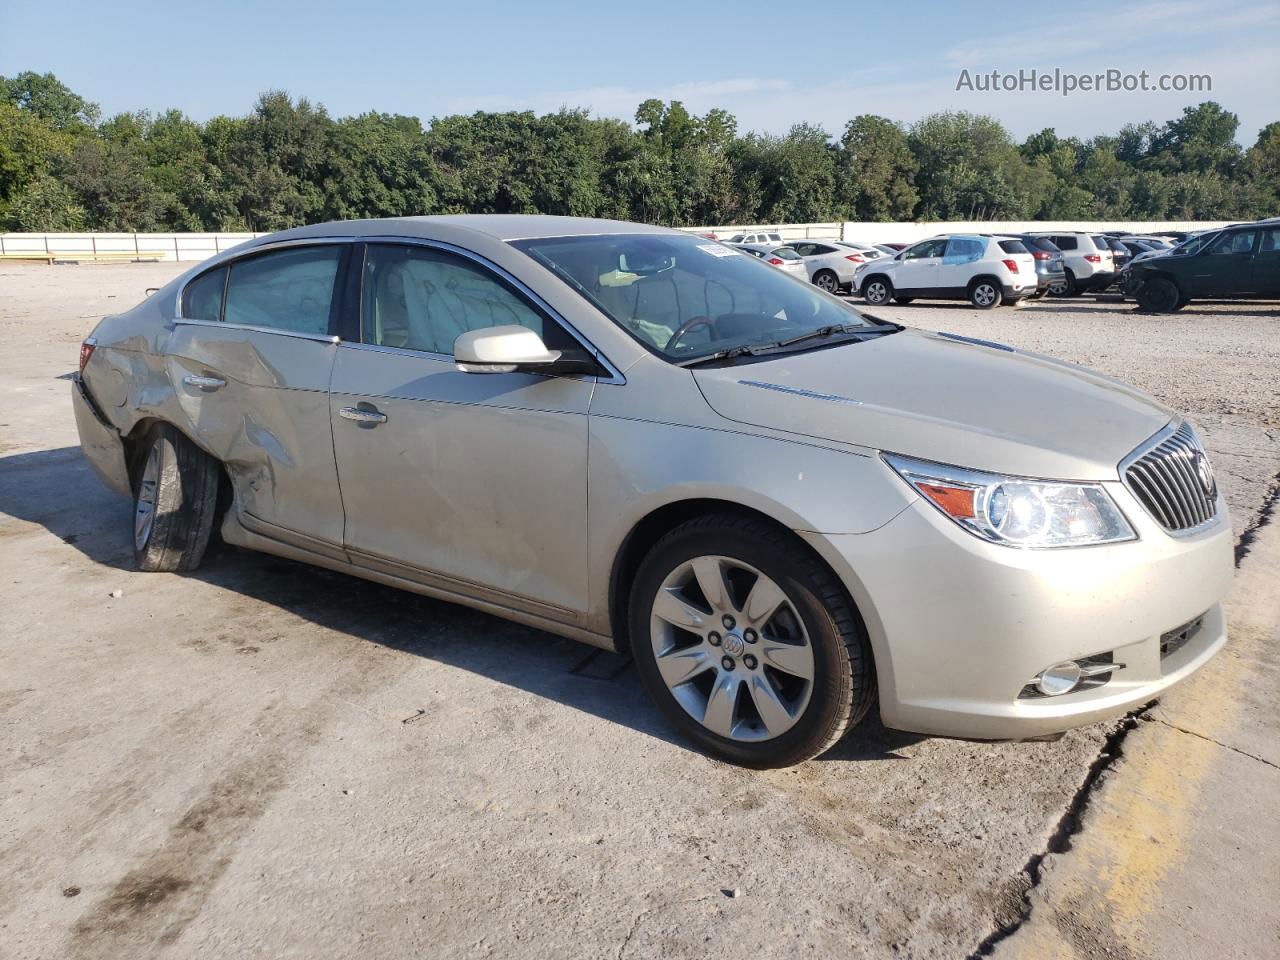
[(1163, 272)]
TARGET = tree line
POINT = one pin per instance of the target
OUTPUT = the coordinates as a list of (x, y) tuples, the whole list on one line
[(63, 167)]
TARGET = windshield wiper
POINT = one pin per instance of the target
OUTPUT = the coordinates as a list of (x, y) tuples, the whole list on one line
[(743, 350), (855, 330)]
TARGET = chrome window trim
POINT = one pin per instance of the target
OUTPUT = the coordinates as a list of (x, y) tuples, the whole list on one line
[(1140, 451), (614, 374), (250, 328), (253, 251)]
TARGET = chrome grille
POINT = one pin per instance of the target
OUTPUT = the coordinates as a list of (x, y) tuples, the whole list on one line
[(1172, 478)]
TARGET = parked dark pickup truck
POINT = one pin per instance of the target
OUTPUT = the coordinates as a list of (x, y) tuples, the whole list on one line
[(1242, 261)]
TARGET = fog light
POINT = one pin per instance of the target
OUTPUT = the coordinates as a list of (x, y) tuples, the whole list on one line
[(1059, 679)]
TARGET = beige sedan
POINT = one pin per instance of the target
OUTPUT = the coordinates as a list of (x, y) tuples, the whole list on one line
[(788, 513)]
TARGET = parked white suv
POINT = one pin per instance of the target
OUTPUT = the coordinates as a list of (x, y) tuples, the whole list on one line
[(984, 270), (1089, 261), (760, 239)]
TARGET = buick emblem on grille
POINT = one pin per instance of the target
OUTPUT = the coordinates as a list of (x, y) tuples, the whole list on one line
[(1205, 472)]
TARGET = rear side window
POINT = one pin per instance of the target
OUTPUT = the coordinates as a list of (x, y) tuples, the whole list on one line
[(202, 299), (964, 250), (289, 290), (775, 237), (1067, 243), (1013, 246)]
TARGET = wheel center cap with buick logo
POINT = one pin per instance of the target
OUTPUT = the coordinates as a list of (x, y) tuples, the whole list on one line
[(733, 646)]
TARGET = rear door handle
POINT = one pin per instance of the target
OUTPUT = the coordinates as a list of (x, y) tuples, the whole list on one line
[(204, 383), (369, 415)]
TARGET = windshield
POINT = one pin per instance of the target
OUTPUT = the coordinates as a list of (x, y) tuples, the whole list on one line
[(684, 297)]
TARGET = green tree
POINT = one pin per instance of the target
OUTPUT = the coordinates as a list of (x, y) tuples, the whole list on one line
[(875, 171), (968, 168), (46, 206), (45, 96)]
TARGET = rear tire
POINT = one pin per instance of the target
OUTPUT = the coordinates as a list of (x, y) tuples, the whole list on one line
[(1067, 288), (748, 663), (1160, 295), (827, 280), (985, 294), (175, 499)]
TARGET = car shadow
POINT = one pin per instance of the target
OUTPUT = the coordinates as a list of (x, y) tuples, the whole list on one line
[(57, 490)]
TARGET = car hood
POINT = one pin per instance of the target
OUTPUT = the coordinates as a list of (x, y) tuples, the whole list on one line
[(946, 398)]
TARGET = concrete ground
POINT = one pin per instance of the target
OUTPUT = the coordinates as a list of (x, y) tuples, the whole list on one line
[(268, 759)]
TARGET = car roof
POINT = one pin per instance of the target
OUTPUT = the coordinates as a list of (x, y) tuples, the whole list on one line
[(498, 226)]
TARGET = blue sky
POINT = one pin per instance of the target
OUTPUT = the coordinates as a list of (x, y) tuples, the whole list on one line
[(771, 64)]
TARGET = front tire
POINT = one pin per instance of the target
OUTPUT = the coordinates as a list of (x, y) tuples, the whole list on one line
[(877, 291), (748, 644), (1160, 295), (175, 498)]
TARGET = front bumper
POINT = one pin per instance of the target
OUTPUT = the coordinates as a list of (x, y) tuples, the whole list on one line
[(100, 441), (960, 626)]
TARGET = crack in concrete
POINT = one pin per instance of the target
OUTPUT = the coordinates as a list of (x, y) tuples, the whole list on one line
[(1069, 824), (1071, 821), (1225, 746)]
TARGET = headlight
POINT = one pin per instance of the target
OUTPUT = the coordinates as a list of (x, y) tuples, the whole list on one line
[(1014, 511)]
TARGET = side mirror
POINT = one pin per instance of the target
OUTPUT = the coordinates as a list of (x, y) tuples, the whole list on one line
[(511, 348)]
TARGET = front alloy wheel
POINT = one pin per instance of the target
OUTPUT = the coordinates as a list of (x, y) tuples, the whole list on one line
[(731, 648), (748, 643), (877, 291)]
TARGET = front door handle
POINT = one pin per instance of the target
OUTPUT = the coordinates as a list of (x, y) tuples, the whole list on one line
[(204, 383), (362, 415)]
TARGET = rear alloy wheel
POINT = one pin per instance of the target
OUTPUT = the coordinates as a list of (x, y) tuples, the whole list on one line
[(1160, 295), (175, 498), (748, 644), (877, 290), (985, 294), (1064, 288), (827, 280)]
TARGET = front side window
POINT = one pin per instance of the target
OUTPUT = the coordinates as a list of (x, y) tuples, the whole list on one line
[(1239, 242), (930, 248), (419, 298), (684, 297), (202, 299), (289, 289)]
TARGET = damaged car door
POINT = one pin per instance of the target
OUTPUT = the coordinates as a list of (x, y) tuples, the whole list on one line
[(250, 359)]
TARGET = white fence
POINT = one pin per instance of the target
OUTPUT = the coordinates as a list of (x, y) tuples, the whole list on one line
[(164, 246), (907, 232), (198, 246)]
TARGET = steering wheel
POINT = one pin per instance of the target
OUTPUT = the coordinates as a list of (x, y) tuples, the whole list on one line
[(691, 324)]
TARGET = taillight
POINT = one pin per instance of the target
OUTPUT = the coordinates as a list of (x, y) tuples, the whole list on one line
[(856, 258), (776, 262), (86, 351), (1093, 257), (1011, 264), (1042, 255)]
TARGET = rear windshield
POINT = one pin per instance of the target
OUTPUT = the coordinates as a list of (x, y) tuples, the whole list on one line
[(1042, 243), (1013, 246), (784, 253), (1101, 243)]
